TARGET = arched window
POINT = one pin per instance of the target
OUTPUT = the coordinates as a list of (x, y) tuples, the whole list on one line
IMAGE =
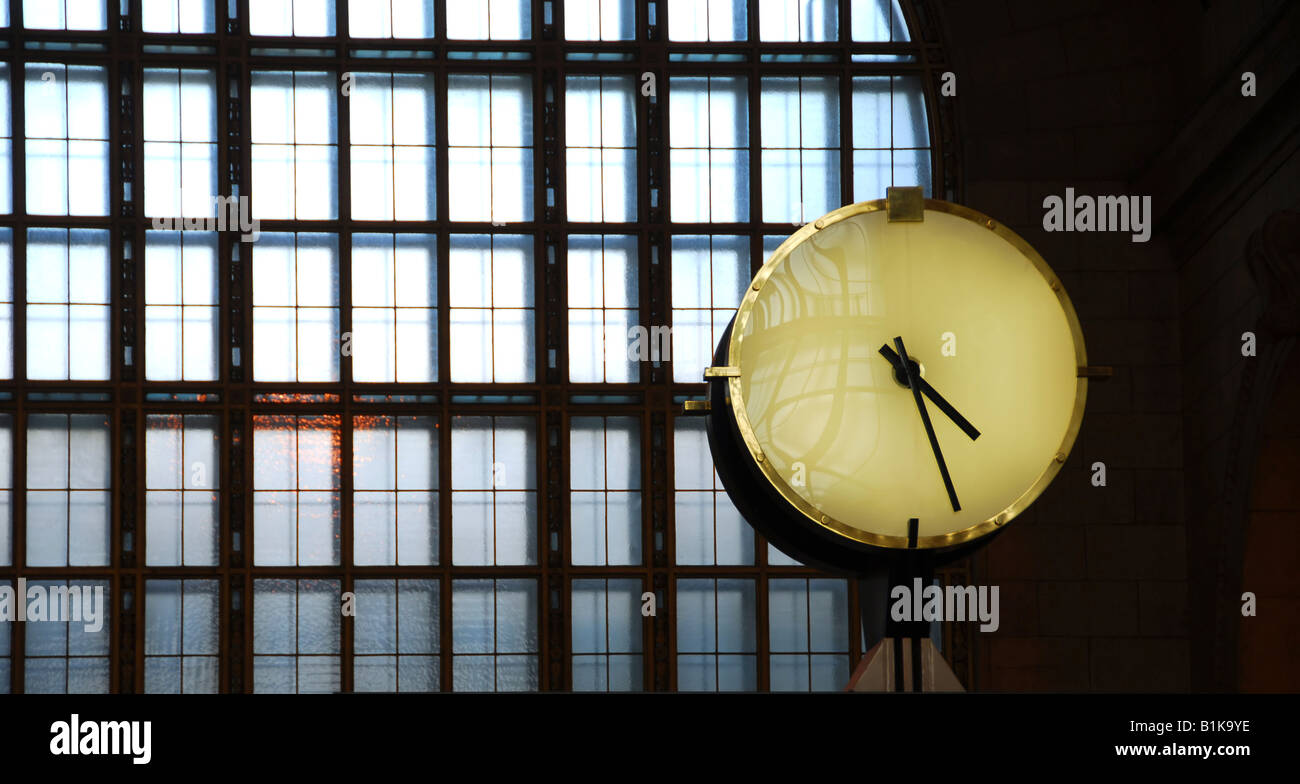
[(343, 344)]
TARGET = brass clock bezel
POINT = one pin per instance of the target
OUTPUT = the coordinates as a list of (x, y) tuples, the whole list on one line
[(736, 399)]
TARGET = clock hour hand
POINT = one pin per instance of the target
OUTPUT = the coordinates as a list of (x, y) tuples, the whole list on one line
[(929, 391), (925, 419)]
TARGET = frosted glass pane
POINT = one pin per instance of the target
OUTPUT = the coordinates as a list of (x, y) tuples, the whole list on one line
[(588, 616), (314, 169), (47, 451), (912, 167), (694, 528), (274, 275), (271, 101), (689, 180), (374, 525), (47, 338), (469, 172), (706, 20), (512, 184), (798, 20), (375, 455), (88, 449), (318, 674), (623, 528), (516, 615), (162, 632), (177, 16), (88, 277), (47, 528), (417, 528), (47, 177), (691, 272), (735, 615), (734, 537), (274, 675), (878, 20), (88, 528), (587, 523), (198, 115), (782, 187), (372, 270), (624, 616), (909, 122), (871, 112), (587, 453), (319, 619), (46, 101), (87, 100), (414, 183), (274, 357), (317, 270), (88, 330), (274, 453), (779, 112), (274, 529), (819, 183), (599, 20), (417, 278), (88, 167), (88, 675), (472, 534), (372, 673), (789, 673), (200, 674), (317, 336), (199, 347), (516, 528), (375, 628), (292, 17), (623, 442), (473, 616), (417, 454), (800, 112), (872, 174), (692, 464), (471, 339), (373, 351), (275, 616), (490, 20), (695, 615), (6, 165), (164, 533), (417, 346), (273, 178), (318, 452), (618, 179), (200, 529), (787, 602), (828, 626)]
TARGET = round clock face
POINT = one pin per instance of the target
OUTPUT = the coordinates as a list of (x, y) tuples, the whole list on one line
[(834, 416)]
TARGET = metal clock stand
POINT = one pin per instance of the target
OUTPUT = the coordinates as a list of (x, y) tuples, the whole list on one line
[(899, 655)]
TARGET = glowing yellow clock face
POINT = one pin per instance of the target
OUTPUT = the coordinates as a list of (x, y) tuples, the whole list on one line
[(828, 415)]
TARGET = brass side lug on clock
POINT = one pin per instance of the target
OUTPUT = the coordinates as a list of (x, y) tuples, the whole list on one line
[(905, 204), (1098, 372), (696, 407), (721, 372)]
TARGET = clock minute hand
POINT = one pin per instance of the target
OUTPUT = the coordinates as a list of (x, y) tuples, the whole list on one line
[(944, 406), (929, 428)]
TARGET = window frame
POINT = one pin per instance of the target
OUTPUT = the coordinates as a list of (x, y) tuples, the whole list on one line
[(653, 401)]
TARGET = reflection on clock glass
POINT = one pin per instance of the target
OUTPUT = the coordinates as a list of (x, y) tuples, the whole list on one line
[(825, 392)]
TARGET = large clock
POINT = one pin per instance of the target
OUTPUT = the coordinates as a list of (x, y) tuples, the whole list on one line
[(900, 374)]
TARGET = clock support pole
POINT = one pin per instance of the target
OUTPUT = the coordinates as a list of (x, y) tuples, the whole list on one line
[(899, 654)]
